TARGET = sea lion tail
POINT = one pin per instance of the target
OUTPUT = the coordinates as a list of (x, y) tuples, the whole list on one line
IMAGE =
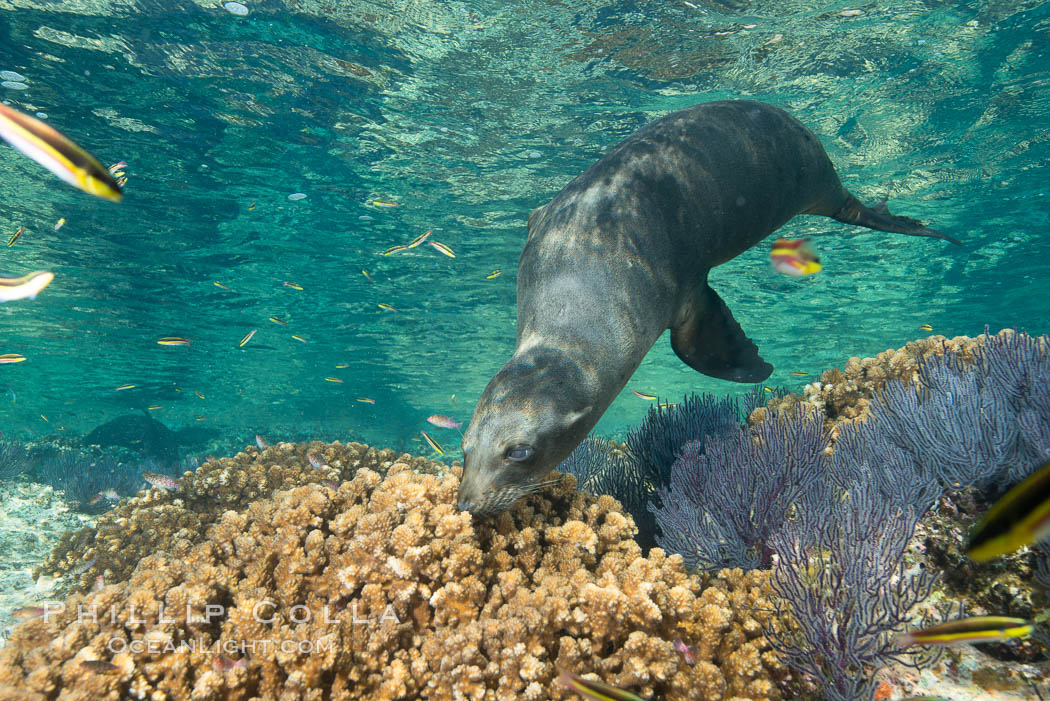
[(880, 218)]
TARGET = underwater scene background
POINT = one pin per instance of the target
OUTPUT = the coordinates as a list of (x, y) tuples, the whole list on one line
[(276, 150)]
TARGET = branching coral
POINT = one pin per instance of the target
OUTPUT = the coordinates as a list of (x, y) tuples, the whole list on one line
[(161, 520), (382, 589)]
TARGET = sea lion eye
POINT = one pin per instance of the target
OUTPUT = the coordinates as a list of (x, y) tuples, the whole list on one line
[(519, 453)]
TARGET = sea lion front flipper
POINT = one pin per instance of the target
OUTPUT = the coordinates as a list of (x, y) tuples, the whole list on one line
[(709, 340)]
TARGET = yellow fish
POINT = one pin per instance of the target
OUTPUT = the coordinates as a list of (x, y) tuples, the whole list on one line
[(643, 395), (394, 249), (11, 358), (433, 444), (293, 285), (154, 407), (420, 239), (380, 203), (795, 258), (57, 153), (437, 245), (123, 387), (1021, 517), (494, 274), (925, 327), (798, 373), (247, 338), (342, 365), (173, 341), (199, 395), (333, 379), (278, 321), (60, 223), (219, 284), (366, 400), (389, 308), (299, 338), (597, 691), (365, 273), (251, 206), (15, 236), (26, 287), (978, 629)]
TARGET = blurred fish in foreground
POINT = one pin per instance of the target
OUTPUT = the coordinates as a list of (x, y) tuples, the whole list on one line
[(25, 287), (596, 690), (1021, 517), (794, 257), (978, 629), (57, 153)]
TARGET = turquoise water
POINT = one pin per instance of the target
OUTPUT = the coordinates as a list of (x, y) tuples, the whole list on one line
[(467, 115)]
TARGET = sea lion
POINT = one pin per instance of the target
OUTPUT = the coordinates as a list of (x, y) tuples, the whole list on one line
[(621, 254)]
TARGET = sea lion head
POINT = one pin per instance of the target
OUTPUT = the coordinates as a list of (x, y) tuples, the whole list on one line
[(532, 414)]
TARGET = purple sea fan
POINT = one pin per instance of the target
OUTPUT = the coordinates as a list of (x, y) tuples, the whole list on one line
[(727, 498)]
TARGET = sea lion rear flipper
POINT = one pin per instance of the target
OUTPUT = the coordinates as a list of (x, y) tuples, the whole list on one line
[(881, 218), (709, 340)]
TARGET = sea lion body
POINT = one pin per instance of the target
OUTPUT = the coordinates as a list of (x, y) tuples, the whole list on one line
[(622, 254)]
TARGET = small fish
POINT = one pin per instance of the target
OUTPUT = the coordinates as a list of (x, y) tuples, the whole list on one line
[(178, 390), (60, 223), (58, 153), (11, 358), (380, 203), (340, 366), (15, 236), (433, 444), (219, 284), (388, 307), (25, 287), (366, 400), (438, 246), (598, 691), (420, 239), (276, 320), (978, 629), (688, 651), (200, 418), (261, 442), (925, 327), (247, 338), (83, 567), (316, 461), (444, 421), (123, 387), (494, 274), (46, 420), (121, 165), (199, 395), (108, 494), (222, 663), (1021, 517), (365, 273), (162, 481), (173, 341), (767, 389), (27, 612), (154, 407), (299, 338), (394, 249), (795, 258), (798, 373), (293, 285), (251, 206), (643, 395), (333, 379), (100, 666)]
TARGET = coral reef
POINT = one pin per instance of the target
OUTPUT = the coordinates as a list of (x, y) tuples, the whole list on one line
[(382, 589), (726, 498), (14, 459), (156, 518)]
